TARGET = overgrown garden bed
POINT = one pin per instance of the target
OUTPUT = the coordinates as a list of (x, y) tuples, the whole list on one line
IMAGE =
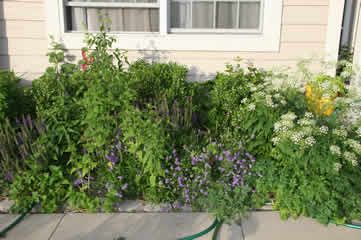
[(93, 134)]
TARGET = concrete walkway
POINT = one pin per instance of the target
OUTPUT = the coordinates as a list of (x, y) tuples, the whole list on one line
[(164, 226)]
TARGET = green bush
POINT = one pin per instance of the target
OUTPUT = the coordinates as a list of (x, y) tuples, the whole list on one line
[(15, 101), (228, 91), (152, 81)]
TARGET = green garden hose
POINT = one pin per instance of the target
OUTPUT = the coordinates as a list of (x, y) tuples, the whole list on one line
[(354, 226), (215, 233), (215, 223), (3, 232)]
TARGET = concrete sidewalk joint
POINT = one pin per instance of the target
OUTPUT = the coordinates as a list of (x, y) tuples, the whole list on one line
[(56, 227)]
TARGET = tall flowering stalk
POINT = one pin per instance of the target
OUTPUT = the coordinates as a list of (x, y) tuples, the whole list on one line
[(19, 143)]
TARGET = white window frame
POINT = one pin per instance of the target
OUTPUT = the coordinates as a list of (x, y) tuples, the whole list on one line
[(266, 40)]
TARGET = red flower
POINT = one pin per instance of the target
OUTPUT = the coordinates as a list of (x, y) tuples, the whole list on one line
[(83, 66)]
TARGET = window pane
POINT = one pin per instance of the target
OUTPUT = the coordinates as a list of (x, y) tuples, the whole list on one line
[(180, 14), (122, 19), (226, 15), (249, 14), (202, 15)]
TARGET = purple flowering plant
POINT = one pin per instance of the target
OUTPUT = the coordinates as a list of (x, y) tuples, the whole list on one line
[(117, 175), (234, 179), (23, 148)]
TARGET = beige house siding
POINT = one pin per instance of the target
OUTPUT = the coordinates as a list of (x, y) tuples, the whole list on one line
[(23, 40)]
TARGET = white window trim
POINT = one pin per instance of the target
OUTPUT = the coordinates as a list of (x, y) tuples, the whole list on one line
[(266, 41)]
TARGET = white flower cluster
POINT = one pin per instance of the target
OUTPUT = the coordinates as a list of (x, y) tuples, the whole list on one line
[(356, 146), (341, 132), (306, 122), (269, 101), (289, 116), (276, 140), (283, 125), (335, 150), (308, 115), (351, 157), (244, 100), (358, 131), (297, 137), (310, 141), (252, 107), (346, 74), (283, 102), (277, 95), (337, 166), (324, 129), (253, 89)]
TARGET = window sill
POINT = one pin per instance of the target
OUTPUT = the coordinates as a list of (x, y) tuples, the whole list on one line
[(184, 42)]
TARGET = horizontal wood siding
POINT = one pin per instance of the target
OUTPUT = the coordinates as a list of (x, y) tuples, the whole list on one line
[(23, 40)]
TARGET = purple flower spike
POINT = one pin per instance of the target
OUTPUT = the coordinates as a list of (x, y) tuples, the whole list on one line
[(125, 186), (120, 178), (85, 151), (17, 122), (8, 177), (77, 182), (119, 195), (194, 116), (19, 140), (43, 126)]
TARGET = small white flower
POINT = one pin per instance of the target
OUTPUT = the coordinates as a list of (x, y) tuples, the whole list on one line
[(296, 137), (261, 93), (253, 89), (283, 102), (308, 115), (275, 140), (340, 132), (337, 166), (354, 162), (310, 141), (277, 126), (324, 129), (350, 156), (289, 116), (277, 95), (358, 131), (288, 124), (244, 100), (356, 146), (335, 150), (252, 107), (306, 122)]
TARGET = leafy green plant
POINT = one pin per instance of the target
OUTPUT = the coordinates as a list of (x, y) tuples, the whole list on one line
[(318, 162), (160, 79), (47, 188), (229, 89), (15, 100)]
